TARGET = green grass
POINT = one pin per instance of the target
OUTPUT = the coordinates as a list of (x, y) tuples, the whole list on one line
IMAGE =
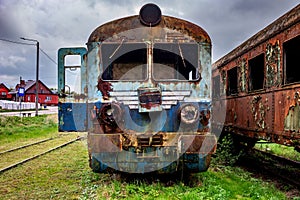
[(65, 174), (15, 128), (208, 185), (281, 150)]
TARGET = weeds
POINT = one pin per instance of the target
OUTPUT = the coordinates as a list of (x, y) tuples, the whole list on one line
[(65, 174), (227, 153), (281, 150), (13, 128)]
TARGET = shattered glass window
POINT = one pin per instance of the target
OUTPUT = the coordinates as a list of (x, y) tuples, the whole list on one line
[(292, 55), (124, 61), (257, 72), (175, 61)]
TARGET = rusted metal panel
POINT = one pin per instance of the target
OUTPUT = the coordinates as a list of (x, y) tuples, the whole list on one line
[(292, 117), (100, 143), (149, 99), (271, 112), (203, 144), (273, 70), (128, 24), (136, 122)]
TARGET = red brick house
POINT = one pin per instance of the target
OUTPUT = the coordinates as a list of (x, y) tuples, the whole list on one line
[(4, 92), (46, 96)]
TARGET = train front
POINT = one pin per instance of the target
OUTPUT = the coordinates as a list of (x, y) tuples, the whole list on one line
[(148, 95)]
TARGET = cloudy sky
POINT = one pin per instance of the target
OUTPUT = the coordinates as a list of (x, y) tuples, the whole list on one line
[(69, 23)]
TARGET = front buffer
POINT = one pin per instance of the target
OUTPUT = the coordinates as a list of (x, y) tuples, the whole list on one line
[(162, 152)]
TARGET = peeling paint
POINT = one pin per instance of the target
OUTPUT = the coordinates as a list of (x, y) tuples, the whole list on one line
[(273, 75), (133, 124), (104, 87), (292, 120), (243, 74), (258, 110), (224, 82)]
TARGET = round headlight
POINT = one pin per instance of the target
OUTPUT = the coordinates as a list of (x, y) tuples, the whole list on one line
[(189, 114), (150, 14), (110, 113)]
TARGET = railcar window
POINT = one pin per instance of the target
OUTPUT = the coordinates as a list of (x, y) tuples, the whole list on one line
[(257, 72), (291, 57), (124, 61), (175, 61), (216, 87), (232, 81)]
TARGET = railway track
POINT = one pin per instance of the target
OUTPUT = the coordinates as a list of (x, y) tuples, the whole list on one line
[(269, 165), (11, 162), (24, 146)]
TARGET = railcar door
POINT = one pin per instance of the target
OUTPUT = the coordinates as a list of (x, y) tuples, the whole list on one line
[(72, 90)]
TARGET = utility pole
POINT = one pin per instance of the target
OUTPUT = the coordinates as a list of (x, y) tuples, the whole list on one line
[(37, 74)]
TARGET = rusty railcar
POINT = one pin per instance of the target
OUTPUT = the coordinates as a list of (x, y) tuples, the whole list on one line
[(259, 84), (145, 95)]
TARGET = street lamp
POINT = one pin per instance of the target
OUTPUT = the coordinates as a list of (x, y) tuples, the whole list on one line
[(37, 74)]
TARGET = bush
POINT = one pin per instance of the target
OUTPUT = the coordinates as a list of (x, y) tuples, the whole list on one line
[(227, 152)]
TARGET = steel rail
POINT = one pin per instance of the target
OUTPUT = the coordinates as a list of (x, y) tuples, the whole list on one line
[(38, 155), (276, 169), (24, 146)]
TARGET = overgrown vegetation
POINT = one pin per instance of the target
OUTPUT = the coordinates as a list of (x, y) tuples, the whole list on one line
[(65, 174), (13, 128), (227, 154), (281, 150)]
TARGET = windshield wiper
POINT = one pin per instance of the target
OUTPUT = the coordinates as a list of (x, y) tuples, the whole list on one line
[(181, 55), (116, 49)]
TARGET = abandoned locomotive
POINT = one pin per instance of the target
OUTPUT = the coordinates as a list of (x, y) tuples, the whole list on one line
[(145, 95), (258, 83)]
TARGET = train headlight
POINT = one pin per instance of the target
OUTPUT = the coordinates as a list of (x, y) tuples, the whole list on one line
[(189, 114), (110, 114), (150, 14)]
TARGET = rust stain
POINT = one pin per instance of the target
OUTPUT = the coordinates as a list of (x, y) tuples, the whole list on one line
[(273, 52), (105, 31), (204, 117), (292, 120), (258, 110), (104, 87), (224, 82), (243, 74), (110, 118)]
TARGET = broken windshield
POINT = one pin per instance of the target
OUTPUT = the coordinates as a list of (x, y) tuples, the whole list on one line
[(171, 61), (124, 61), (175, 61)]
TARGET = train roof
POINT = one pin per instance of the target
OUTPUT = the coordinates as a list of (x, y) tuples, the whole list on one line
[(106, 30), (284, 22)]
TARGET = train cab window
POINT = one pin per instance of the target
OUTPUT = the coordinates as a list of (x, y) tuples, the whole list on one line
[(232, 87), (216, 87), (124, 61), (175, 61), (257, 72), (291, 57)]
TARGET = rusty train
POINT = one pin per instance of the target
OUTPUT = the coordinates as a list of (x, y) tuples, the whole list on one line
[(258, 84), (145, 97)]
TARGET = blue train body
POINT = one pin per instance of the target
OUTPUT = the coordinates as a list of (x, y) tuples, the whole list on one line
[(145, 96)]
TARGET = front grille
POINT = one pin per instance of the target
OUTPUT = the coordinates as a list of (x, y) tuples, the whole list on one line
[(168, 98)]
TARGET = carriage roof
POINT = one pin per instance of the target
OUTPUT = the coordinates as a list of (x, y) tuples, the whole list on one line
[(184, 27)]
